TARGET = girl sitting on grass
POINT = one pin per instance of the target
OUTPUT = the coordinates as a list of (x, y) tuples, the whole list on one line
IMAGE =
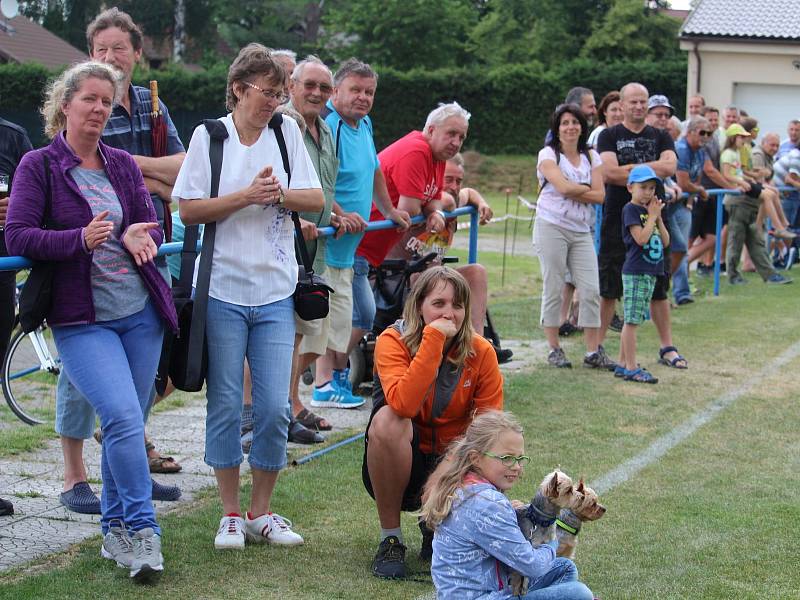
[(477, 542)]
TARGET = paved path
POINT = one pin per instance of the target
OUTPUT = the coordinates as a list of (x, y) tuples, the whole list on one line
[(33, 481)]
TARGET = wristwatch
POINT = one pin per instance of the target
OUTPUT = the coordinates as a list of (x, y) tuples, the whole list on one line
[(281, 197)]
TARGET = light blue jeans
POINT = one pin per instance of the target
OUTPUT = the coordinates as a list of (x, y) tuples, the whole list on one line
[(679, 223), (265, 335), (791, 206), (559, 583), (363, 296), (113, 364)]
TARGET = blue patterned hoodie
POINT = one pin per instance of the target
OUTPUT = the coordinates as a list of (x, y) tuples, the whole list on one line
[(479, 543)]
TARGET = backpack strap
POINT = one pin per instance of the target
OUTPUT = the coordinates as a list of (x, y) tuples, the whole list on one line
[(197, 332)]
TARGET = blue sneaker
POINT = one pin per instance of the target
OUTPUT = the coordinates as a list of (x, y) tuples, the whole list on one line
[(335, 397)]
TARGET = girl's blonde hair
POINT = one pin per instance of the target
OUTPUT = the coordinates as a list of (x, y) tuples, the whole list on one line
[(63, 89), (441, 487), (425, 284)]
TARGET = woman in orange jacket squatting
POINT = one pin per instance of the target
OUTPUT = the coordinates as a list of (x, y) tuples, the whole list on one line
[(432, 374)]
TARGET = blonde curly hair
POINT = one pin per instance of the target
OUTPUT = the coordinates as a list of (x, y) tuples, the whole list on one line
[(63, 89)]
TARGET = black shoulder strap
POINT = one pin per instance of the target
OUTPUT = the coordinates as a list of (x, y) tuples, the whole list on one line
[(46, 218), (275, 125), (197, 332)]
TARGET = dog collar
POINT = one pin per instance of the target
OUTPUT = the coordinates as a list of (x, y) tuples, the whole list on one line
[(542, 519), (560, 524)]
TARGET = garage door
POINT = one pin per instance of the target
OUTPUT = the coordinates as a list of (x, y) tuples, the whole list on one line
[(773, 105)]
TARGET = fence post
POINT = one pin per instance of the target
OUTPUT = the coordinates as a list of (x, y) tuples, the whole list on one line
[(718, 243), (473, 237)]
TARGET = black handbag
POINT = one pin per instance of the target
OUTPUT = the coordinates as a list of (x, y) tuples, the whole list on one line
[(311, 294), (184, 356), (36, 296)]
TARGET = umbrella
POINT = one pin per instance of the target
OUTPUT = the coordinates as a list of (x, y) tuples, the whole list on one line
[(158, 146)]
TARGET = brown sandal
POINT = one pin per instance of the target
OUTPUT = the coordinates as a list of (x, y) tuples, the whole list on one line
[(163, 464), (313, 422)]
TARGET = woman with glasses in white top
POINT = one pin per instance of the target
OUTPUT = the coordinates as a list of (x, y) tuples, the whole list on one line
[(253, 276)]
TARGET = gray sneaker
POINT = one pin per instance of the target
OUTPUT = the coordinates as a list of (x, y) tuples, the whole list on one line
[(117, 545), (147, 560), (558, 359), (599, 360)]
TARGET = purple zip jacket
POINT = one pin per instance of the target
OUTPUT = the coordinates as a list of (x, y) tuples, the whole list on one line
[(72, 290)]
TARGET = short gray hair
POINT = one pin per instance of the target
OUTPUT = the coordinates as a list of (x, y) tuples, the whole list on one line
[(576, 95), (732, 107), (769, 135), (444, 111), (353, 66), (287, 53), (64, 88), (695, 123), (309, 60), (457, 160)]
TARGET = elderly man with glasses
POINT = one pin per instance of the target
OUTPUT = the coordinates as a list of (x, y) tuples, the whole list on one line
[(692, 160)]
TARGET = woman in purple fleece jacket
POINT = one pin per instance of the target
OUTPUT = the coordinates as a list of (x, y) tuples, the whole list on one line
[(110, 304)]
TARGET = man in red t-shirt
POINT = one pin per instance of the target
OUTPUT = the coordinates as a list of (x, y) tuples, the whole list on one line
[(413, 167)]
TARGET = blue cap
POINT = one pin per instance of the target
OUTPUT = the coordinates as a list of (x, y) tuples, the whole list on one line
[(642, 173)]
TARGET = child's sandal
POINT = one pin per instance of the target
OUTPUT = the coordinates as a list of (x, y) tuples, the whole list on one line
[(640, 376)]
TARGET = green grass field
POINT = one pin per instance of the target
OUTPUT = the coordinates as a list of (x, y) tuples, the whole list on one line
[(711, 518)]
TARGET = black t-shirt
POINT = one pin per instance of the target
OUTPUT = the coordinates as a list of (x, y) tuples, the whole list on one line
[(640, 260), (630, 148)]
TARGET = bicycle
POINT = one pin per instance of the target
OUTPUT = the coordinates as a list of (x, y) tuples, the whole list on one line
[(30, 374)]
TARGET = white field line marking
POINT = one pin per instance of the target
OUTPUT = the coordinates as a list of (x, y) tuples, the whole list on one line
[(667, 442)]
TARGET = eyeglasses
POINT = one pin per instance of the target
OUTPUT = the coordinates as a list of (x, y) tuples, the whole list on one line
[(268, 94), (704, 132), (508, 460), (324, 88)]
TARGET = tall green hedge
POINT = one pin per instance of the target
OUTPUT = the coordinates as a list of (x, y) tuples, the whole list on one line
[(510, 105)]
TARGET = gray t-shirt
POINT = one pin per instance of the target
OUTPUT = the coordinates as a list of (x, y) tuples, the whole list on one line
[(117, 287)]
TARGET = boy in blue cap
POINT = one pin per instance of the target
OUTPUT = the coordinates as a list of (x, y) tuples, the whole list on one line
[(645, 237)]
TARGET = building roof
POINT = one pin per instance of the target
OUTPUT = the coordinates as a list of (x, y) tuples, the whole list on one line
[(744, 19), (22, 41)]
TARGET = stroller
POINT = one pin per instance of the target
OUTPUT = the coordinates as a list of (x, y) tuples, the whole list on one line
[(392, 285)]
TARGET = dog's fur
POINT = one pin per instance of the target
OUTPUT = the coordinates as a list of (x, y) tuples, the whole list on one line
[(554, 494), (588, 509)]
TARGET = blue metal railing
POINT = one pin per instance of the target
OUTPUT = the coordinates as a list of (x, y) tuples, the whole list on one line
[(14, 263), (718, 194)]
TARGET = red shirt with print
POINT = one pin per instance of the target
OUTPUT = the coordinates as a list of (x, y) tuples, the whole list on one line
[(410, 170)]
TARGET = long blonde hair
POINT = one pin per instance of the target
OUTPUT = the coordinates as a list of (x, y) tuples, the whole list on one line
[(425, 284), (441, 487)]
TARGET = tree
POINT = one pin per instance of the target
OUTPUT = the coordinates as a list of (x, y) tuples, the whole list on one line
[(65, 18), (548, 31), (631, 31), (403, 34)]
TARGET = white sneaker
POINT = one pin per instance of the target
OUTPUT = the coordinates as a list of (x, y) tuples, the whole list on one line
[(117, 545), (147, 559), (271, 528), (230, 535)]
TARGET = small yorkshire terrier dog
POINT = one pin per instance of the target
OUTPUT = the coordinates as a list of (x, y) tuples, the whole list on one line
[(571, 518), (537, 519)]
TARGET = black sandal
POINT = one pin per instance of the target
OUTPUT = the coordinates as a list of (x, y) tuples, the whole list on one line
[(674, 363)]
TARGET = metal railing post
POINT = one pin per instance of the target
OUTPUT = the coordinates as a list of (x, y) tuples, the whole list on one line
[(718, 242)]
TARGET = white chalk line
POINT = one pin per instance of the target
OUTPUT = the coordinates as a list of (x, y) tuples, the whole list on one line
[(667, 442)]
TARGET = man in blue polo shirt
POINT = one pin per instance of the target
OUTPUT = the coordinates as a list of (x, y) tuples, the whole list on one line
[(358, 181), (113, 38)]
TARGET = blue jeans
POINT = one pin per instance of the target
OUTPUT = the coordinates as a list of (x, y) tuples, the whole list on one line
[(791, 206), (679, 223), (113, 364), (363, 296), (559, 583), (265, 335)]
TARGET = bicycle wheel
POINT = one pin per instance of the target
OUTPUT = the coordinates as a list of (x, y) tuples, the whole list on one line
[(30, 373)]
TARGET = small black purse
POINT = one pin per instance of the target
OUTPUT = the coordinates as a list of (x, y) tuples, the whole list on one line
[(36, 296), (311, 294)]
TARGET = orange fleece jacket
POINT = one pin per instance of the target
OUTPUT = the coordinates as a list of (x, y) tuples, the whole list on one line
[(408, 384)]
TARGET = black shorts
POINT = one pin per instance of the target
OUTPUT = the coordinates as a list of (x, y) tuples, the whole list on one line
[(610, 270), (422, 465), (754, 191), (704, 218)]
